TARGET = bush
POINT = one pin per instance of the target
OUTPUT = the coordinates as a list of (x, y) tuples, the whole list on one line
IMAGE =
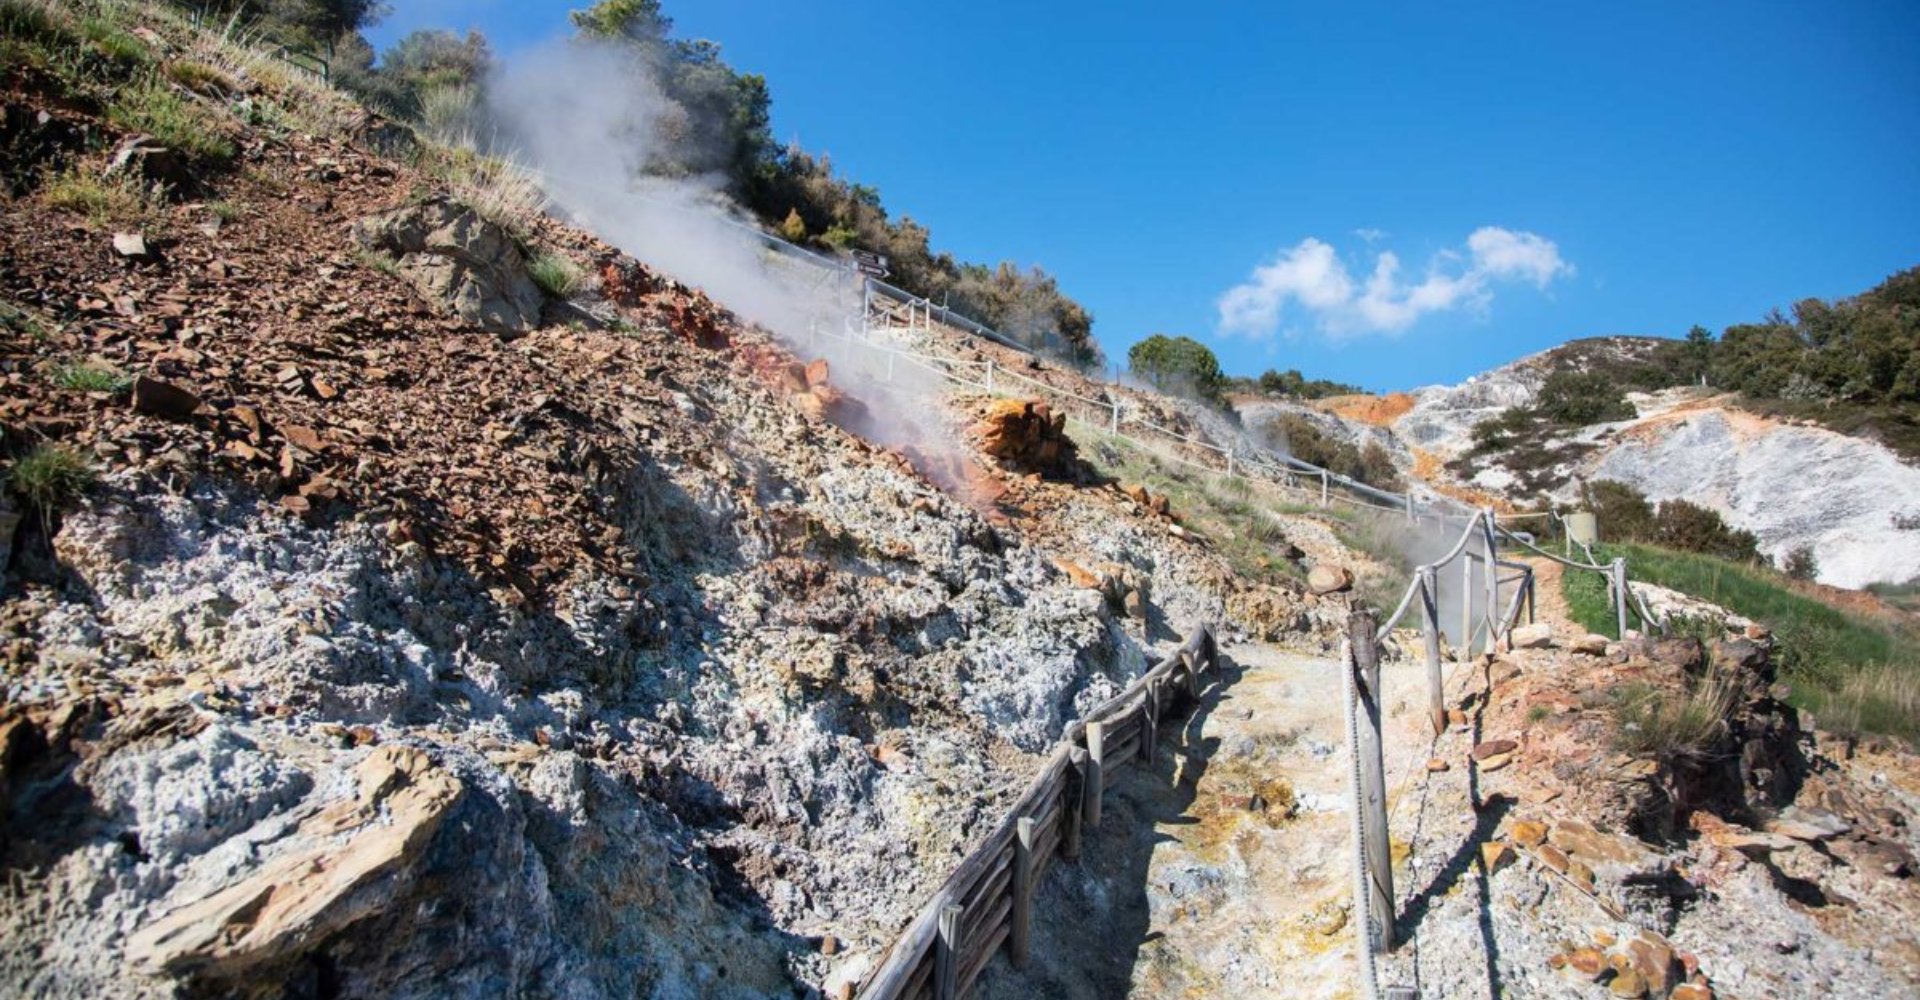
[(556, 275), (1575, 399), (1623, 512), (1799, 563), (1303, 439), (49, 478), (1689, 527)]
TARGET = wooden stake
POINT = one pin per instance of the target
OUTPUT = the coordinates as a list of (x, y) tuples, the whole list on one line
[(1375, 868), (1430, 628), (1020, 940), (1096, 750), (1071, 798), (946, 961), (1150, 725)]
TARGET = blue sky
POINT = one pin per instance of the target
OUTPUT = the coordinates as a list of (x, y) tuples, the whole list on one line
[(1537, 173)]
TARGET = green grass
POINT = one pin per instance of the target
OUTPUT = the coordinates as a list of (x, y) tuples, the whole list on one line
[(200, 78), (172, 121), (226, 211), (556, 275), (83, 377), (109, 41), (376, 260), (122, 199), (1851, 671), (49, 478)]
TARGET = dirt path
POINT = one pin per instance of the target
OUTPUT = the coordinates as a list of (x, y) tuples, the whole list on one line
[(1223, 870), (1549, 600)]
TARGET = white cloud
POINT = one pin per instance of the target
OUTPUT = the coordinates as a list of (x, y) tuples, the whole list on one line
[(1312, 276), (1371, 235)]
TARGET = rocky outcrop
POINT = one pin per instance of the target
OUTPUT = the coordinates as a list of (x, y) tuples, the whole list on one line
[(340, 864), (453, 256), (1027, 434)]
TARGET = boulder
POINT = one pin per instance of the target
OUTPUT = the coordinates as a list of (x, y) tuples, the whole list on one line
[(1329, 579), (1538, 635), (343, 861), (453, 256), (142, 157), (1026, 433), (1591, 644)]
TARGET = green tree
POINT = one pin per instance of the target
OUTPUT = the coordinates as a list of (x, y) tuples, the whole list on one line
[(1579, 398), (1181, 365)]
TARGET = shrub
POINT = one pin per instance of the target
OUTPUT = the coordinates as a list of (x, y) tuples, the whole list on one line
[(556, 275), (172, 122), (1689, 527), (82, 377), (1576, 399), (1800, 563), (49, 478), (793, 228), (376, 260)]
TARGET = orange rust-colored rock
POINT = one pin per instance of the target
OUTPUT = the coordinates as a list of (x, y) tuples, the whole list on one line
[(1027, 434)]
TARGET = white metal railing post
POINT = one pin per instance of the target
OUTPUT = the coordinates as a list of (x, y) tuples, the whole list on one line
[(989, 374), (1115, 428), (1466, 607), (1325, 487)]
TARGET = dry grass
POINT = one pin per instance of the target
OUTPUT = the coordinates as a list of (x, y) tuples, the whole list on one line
[(557, 275), (122, 200), (499, 190), (1674, 726)]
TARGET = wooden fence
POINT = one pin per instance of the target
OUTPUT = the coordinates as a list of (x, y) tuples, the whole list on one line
[(987, 903)]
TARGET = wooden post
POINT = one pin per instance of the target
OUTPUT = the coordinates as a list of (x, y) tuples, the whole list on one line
[(1620, 594), (989, 374), (1529, 596), (946, 961), (1493, 580), (1430, 627), (1115, 429), (1324, 485), (1090, 796), (1192, 664), (1150, 725), (1372, 855), (1020, 939), (1465, 646), (1070, 804)]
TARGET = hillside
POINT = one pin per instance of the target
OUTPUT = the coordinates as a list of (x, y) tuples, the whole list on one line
[(420, 577)]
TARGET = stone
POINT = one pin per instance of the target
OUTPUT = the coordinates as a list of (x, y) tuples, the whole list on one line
[(1529, 833), (1538, 635), (1552, 857), (450, 255), (1329, 579), (1809, 825), (1026, 433), (1627, 983), (1580, 873), (1653, 961), (1690, 991), (1588, 962), (1491, 748), (143, 157), (351, 851), (1495, 762), (1437, 765), (1495, 855), (130, 244), (1135, 605), (1591, 644), (1078, 575), (163, 399)]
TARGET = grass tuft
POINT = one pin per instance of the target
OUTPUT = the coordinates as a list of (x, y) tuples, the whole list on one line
[(201, 78), (50, 478), (556, 275), (122, 199), (172, 121), (1674, 726), (82, 377), (378, 260)]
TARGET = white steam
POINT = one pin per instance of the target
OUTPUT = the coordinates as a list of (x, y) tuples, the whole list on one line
[(588, 117)]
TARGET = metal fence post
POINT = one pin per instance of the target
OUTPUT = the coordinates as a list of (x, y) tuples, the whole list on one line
[(1373, 862), (989, 374)]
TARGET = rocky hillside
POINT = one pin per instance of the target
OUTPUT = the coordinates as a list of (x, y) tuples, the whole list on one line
[(383, 616), (1792, 484)]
